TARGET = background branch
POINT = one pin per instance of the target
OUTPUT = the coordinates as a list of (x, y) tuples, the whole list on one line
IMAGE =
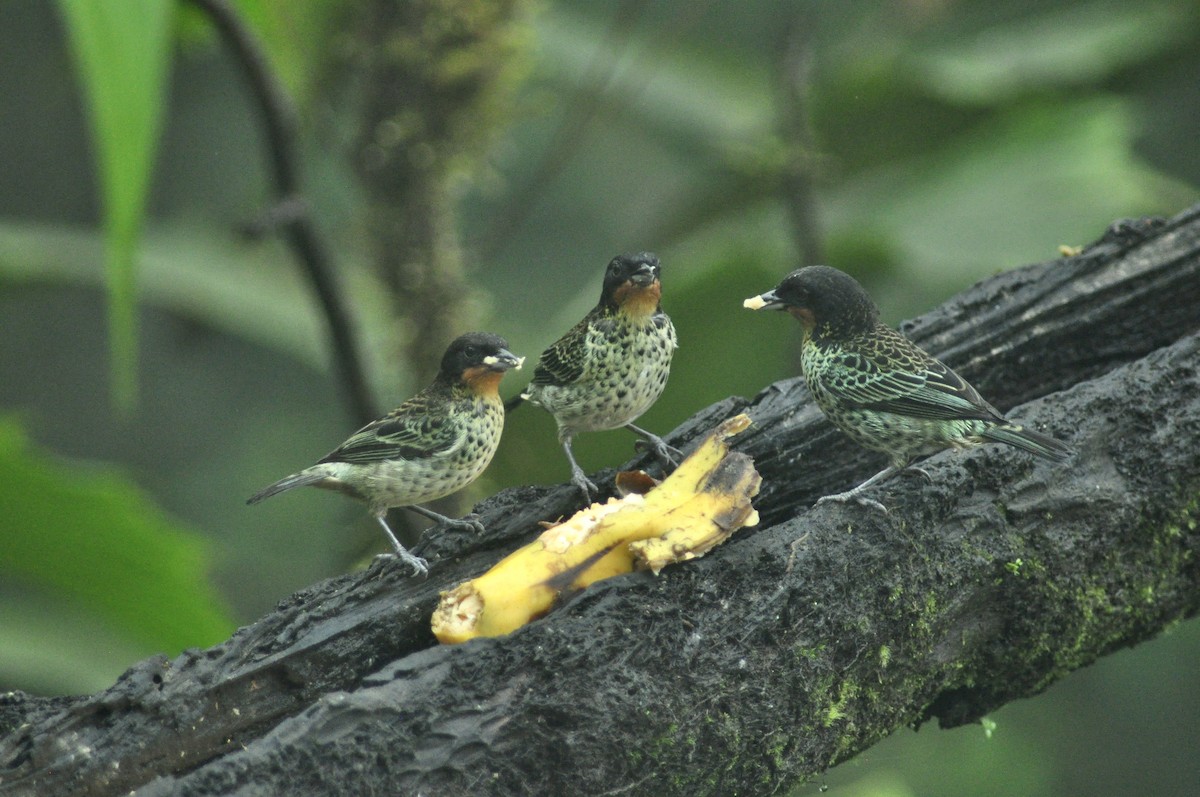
[(292, 212)]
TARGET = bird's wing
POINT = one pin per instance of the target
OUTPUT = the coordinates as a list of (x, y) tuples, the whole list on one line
[(903, 379), (411, 431), (563, 362)]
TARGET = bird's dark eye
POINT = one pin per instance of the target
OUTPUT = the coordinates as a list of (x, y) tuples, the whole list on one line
[(471, 352)]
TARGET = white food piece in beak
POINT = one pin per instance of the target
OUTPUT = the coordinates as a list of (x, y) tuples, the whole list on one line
[(754, 303)]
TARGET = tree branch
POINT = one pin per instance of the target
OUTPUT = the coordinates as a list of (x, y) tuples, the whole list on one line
[(790, 648), (295, 216)]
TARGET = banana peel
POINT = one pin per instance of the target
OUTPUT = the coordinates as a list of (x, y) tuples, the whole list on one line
[(696, 508)]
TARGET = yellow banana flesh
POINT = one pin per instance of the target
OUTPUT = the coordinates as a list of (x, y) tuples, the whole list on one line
[(697, 507)]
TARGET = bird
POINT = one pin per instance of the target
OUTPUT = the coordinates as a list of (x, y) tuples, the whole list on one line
[(611, 366), (881, 389), (433, 444)]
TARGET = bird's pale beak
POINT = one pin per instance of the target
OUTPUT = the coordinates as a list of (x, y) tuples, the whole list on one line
[(643, 276), (503, 361), (764, 301)]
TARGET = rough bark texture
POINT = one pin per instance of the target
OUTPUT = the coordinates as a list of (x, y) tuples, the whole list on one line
[(790, 648)]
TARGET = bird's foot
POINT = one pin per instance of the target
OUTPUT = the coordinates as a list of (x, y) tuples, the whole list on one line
[(469, 522), (852, 496), (420, 566), (586, 486), (666, 454), (856, 494), (578, 477)]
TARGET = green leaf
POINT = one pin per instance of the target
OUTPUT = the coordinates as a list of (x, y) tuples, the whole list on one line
[(1007, 193), (295, 36), (121, 52), (1064, 46), (250, 290), (90, 543)]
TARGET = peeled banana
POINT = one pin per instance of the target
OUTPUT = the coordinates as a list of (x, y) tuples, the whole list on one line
[(697, 507)]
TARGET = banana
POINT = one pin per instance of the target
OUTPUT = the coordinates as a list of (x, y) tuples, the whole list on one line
[(712, 517), (694, 509)]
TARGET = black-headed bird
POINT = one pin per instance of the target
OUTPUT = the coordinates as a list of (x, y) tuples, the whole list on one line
[(881, 389), (432, 445), (611, 366)]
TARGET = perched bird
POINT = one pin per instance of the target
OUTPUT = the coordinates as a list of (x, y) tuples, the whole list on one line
[(878, 387), (613, 365), (434, 444)]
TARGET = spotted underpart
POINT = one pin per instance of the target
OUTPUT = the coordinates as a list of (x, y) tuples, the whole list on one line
[(851, 387), (613, 365), (432, 445), (457, 442), (623, 364)]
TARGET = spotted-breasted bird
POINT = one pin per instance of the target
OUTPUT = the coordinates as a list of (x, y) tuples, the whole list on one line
[(434, 444), (878, 387), (611, 366)]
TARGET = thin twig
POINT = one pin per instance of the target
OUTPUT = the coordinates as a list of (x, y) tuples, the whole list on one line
[(279, 119)]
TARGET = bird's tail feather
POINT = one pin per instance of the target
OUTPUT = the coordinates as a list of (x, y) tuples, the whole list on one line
[(1041, 445), (304, 477)]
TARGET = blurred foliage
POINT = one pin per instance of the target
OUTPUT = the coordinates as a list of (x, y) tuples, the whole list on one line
[(951, 139), (121, 54), (92, 543), (291, 33), (422, 88)]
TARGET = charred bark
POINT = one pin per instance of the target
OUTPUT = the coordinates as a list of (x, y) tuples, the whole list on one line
[(792, 647)]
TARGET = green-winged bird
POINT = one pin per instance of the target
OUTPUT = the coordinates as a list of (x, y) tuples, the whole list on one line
[(432, 445), (881, 389), (611, 366)]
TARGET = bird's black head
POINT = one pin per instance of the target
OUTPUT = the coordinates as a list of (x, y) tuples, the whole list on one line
[(826, 301), (632, 284), (478, 359)]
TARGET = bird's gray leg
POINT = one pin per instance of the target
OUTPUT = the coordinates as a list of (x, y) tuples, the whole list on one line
[(419, 565), (856, 495), (585, 485), (467, 523), (666, 454)]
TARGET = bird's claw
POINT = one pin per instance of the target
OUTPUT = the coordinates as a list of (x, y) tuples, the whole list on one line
[(919, 472), (469, 522), (851, 496), (420, 566), (663, 452), (585, 485)]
